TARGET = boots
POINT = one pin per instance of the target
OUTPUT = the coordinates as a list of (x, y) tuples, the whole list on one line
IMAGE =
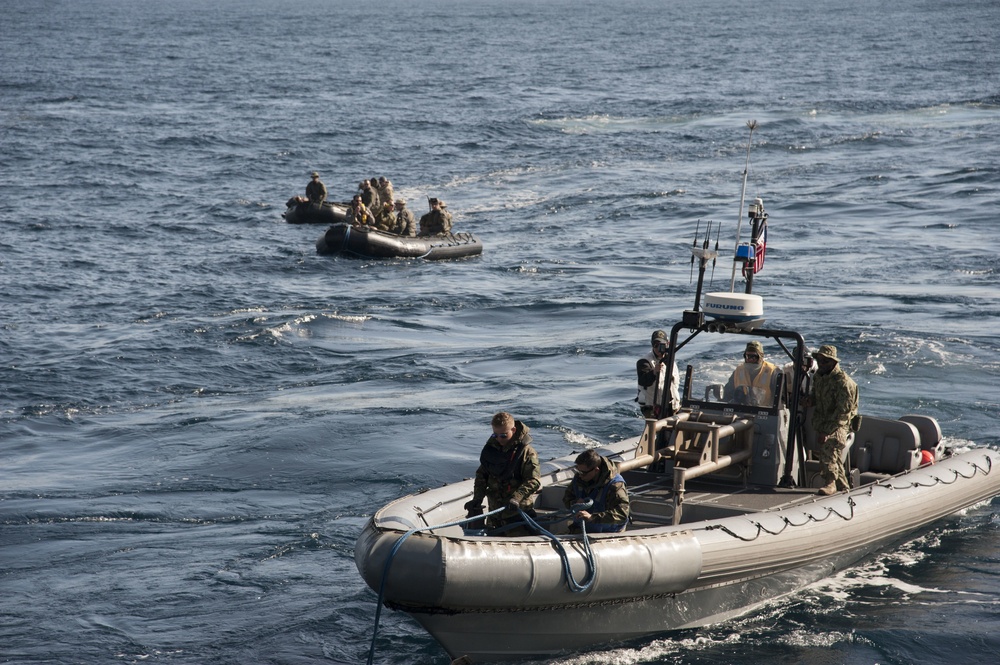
[(828, 489)]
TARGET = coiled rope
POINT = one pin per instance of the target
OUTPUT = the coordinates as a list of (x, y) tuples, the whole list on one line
[(574, 586)]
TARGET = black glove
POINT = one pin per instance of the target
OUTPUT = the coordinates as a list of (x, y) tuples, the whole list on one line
[(473, 508)]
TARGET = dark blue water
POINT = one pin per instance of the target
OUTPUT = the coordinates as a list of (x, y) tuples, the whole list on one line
[(198, 413)]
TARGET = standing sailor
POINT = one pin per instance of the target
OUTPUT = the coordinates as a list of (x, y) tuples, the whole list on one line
[(835, 402), (316, 190), (651, 370), (508, 476)]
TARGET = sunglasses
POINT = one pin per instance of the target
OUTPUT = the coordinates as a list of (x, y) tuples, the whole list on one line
[(585, 473), (503, 435), (751, 356)]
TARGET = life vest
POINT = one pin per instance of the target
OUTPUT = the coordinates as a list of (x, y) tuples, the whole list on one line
[(359, 215), (761, 388), (599, 495)]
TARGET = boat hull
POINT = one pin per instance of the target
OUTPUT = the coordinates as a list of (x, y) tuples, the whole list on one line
[(310, 213), (492, 598), (533, 633), (364, 242)]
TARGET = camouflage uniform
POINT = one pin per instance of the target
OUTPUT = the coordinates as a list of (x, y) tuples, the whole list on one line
[(369, 196), (405, 224), (385, 192), (316, 191), (835, 401), (611, 506), (505, 473), (385, 220), (435, 222)]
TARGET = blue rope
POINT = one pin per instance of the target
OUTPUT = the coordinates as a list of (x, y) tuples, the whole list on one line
[(574, 586)]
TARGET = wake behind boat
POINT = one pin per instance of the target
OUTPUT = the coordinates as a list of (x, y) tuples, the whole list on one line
[(724, 506), (366, 242)]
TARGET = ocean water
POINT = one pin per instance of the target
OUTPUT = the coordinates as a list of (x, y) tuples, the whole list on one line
[(198, 413)]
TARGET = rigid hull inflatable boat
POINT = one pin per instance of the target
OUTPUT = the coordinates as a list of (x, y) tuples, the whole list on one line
[(729, 548), (724, 507)]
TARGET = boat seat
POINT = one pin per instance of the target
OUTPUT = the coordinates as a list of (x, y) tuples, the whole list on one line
[(930, 433), (885, 447), (813, 469)]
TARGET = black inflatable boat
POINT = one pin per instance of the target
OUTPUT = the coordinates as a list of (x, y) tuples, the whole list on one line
[(299, 212), (365, 242)]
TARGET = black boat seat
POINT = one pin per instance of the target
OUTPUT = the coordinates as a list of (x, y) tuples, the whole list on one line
[(930, 433), (885, 447)]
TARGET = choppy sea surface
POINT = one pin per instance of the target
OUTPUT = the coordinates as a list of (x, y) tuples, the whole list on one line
[(198, 413)]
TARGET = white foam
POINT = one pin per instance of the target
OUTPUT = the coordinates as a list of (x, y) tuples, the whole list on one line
[(577, 439), (654, 652)]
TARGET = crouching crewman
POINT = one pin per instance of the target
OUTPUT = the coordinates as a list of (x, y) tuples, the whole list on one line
[(597, 479)]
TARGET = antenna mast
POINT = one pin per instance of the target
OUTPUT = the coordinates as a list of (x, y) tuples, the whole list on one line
[(752, 125)]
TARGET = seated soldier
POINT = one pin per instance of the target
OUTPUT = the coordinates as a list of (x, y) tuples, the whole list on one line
[(385, 220), (597, 479), (752, 383), (405, 224), (436, 221), (357, 213)]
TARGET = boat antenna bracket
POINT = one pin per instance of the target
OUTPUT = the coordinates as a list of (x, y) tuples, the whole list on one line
[(702, 251)]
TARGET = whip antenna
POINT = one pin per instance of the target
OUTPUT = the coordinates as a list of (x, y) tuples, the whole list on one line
[(694, 245), (751, 125), (718, 228)]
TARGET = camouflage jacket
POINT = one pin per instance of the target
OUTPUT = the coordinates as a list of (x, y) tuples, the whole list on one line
[(385, 192), (370, 198), (405, 224), (835, 400), (385, 220), (316, 191), (434, 223)]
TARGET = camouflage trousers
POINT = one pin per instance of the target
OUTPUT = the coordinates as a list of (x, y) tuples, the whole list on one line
[(830, 453)]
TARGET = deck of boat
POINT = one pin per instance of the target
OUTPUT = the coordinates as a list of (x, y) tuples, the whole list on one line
[(651, 496), (652, 499)]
